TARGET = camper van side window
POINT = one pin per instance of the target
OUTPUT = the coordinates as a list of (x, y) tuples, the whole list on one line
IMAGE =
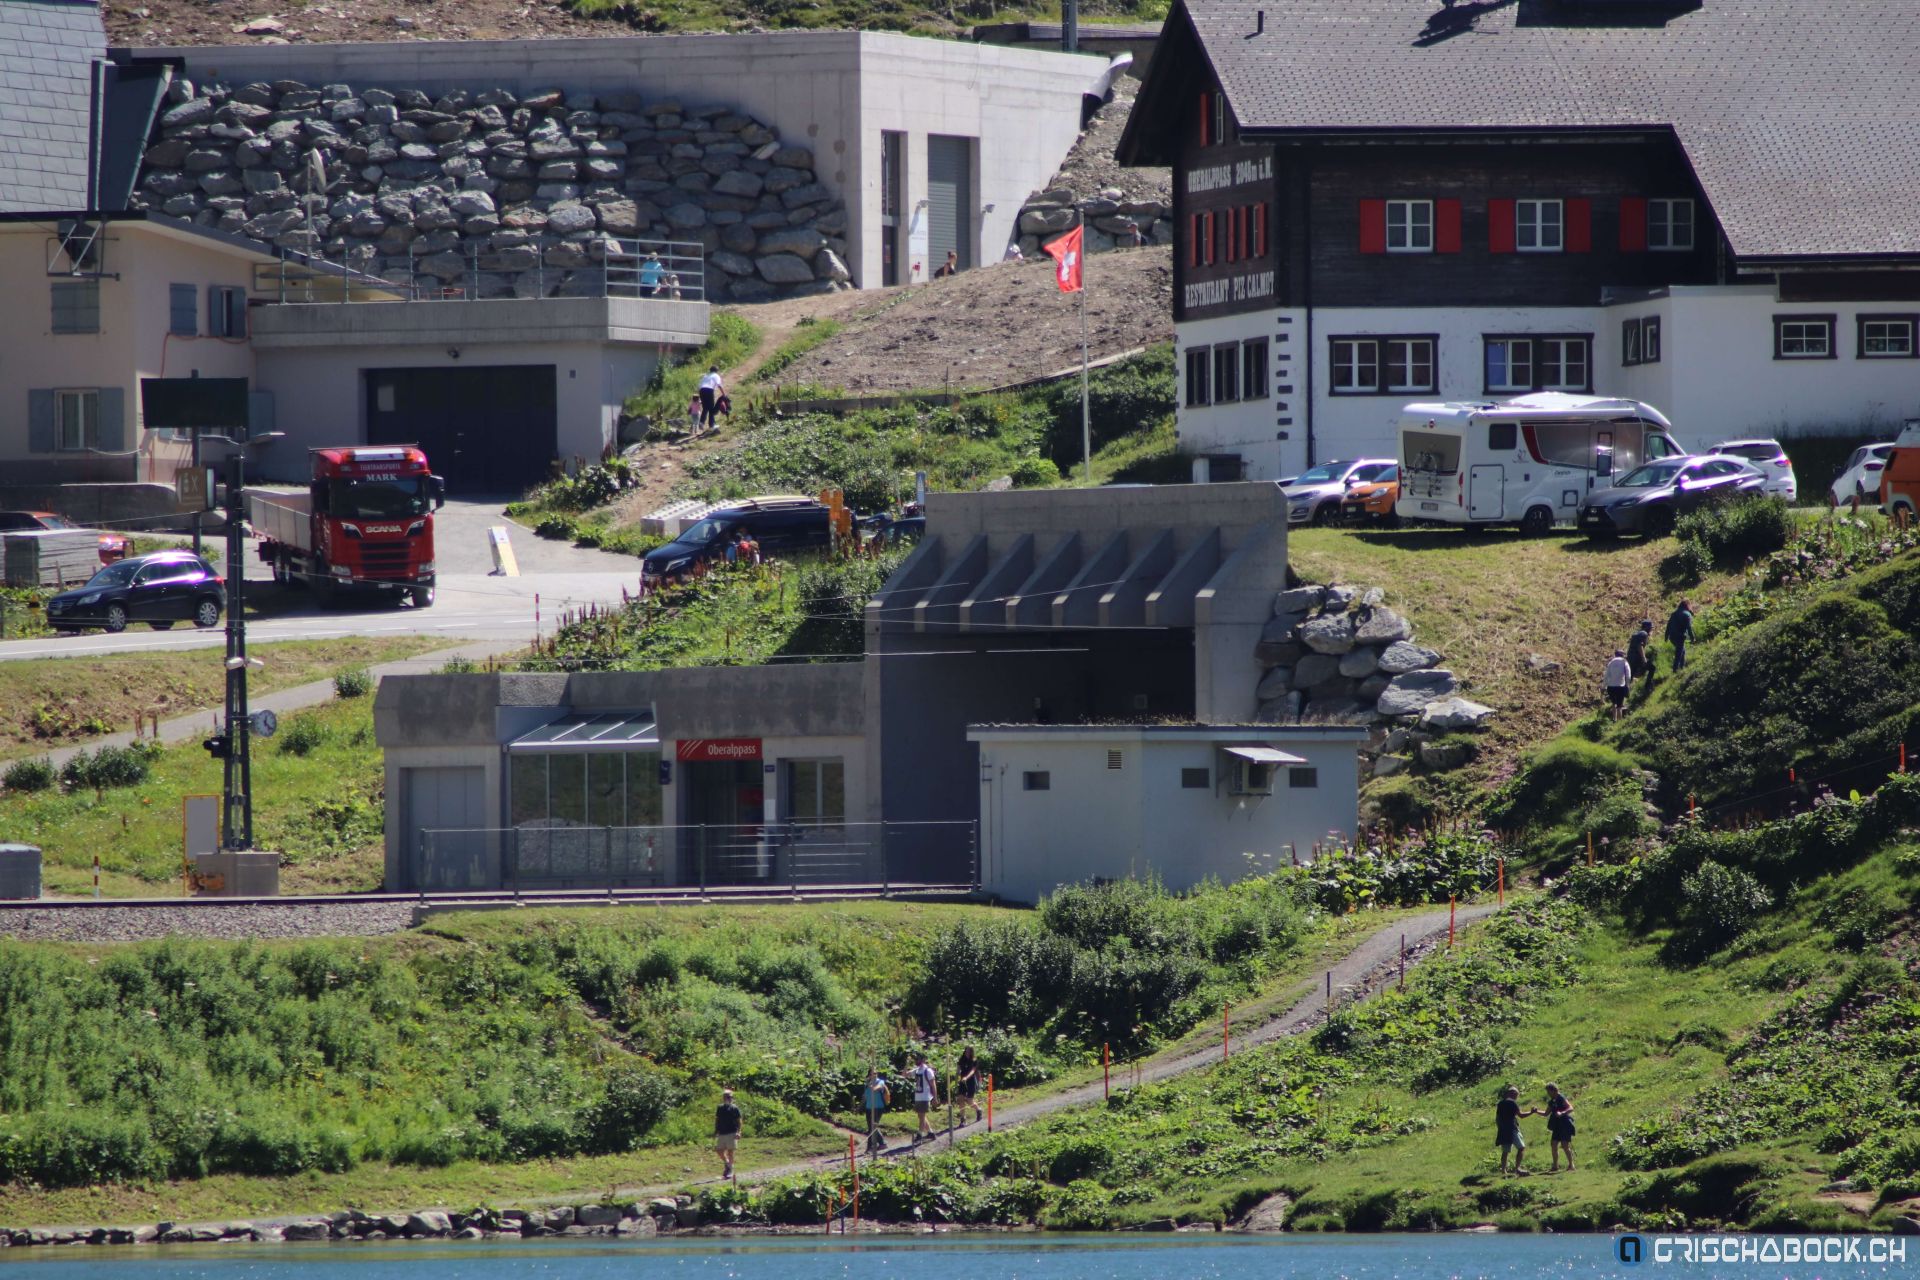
[(1503, 437)]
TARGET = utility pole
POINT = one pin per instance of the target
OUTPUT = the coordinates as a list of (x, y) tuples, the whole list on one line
[(236, 827)]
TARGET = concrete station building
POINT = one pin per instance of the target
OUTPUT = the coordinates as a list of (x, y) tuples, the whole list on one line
[(1056, 686)]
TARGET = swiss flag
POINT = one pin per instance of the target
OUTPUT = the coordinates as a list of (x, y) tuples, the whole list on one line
[(1065, 253)]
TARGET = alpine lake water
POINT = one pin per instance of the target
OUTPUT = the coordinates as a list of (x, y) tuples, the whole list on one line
[(956, 1256)]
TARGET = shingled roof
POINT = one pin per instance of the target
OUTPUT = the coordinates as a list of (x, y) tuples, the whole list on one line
[(1801, 117)]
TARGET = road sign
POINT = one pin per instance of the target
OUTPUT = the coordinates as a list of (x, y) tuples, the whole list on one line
[(193, 488), (504, 565)]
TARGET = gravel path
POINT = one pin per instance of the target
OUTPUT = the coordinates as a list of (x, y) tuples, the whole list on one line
[(266, 920)]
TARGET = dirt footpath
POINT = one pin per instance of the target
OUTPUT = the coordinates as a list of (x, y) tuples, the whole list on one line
[(988, 327)]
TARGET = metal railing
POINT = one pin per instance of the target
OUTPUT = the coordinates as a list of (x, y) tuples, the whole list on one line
[(606, 267), (794, 855)]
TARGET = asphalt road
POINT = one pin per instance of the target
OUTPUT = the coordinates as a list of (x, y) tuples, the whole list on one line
[(470, 605)]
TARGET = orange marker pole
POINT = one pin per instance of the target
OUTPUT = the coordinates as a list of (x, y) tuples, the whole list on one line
[(1791, 780), (1690, 805), (1450, 912), (1589, 848), (989, 1104), (1106, 1072), (1502, 865)]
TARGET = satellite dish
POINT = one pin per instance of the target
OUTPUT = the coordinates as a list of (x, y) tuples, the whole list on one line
[(263, 723)]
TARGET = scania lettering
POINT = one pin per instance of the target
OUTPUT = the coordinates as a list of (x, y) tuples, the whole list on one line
[(1527, 461), (365, 523)]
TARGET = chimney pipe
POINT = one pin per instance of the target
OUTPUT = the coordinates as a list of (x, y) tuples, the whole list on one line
[(1070, 26), (1259, 21)]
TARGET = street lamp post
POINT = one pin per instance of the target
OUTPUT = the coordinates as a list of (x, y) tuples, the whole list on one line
[(237, 791)]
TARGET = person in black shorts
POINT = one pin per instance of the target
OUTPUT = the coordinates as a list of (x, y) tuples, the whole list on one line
[(1559, 1126), (1506, 1128), (968, 1074)]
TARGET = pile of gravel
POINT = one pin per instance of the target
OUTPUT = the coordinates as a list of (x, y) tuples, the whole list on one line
[(204, 920)]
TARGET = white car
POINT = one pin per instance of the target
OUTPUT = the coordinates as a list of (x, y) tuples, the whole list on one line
[(1314, 496), (1860, 478), (1766, 456)]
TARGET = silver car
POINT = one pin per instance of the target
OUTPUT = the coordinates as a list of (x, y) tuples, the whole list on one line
[(1314, 496), (1770, 459)]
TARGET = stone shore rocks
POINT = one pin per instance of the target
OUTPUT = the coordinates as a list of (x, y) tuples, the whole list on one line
[(418, 189)]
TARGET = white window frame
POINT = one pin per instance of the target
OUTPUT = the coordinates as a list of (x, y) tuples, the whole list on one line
[(1524, 345), (1354, 366), (83, 405), (226, 311), (1562, 349), (1890, 326), (1801, 330), (1534, 231), (1670, 225), (818, 767), (1412, 222), (1407, 363), (1630, 331)]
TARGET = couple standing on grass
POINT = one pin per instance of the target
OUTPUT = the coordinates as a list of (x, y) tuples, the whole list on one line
[(1506, 1120)]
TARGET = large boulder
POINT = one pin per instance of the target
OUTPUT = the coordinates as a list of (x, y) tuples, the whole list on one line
[(1281, 627), (1410, 693), (1401, 657), (1301, 600), (598, 1215), (803, 242), (1388, 766), (1269, 1215), (1360, 663), (1381, 625), (1274, 684), (1277, 654), (430, 1222), (1444, 755), (785, 268), (1454, 713), (1315, 670), (1328, 633)]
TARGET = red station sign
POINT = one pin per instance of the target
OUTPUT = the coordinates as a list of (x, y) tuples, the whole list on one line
[(708, 749)]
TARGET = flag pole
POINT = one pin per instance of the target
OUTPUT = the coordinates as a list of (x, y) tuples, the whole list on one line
[(1086, 416)]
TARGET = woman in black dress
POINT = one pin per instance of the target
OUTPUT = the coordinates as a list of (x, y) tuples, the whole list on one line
[(1559, 1126)]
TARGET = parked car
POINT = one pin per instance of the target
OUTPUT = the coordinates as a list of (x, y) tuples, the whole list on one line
[(1651, 497), (1860, 477), (781, 525), (1314, 496), (162, 589), (1769, 458), (112, 545), (893, 530), (1899, 493), (1372, 501)]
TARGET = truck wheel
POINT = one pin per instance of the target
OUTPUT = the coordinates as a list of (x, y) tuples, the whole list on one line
[(423, 597), (206, 613), (116, 617), (1538, 522)]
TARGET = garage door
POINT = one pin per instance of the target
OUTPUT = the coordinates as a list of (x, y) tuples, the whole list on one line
[(949, 200), (489, 429), (446, 830)]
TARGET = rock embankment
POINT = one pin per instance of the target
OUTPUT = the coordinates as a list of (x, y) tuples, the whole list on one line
[(1119, 207), (497, 194), (1338, 654)]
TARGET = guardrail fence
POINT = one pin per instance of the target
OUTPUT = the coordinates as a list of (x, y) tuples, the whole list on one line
[(794, 855), (606, 267)]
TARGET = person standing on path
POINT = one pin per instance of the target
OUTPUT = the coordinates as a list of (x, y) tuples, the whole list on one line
[(711, 388), (1640, 652), (1619, 680), (923, 1094), (1680, 634), (726, 1132), (967, 1074), (1559, 1126), (874, 1100), (1506, 1128)]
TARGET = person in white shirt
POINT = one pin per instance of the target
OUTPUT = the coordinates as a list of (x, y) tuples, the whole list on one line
[(1619, 679), (710, 388), (1013, 252), (923, 1095)]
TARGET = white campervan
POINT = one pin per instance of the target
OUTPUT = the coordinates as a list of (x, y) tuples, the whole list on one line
[(1526, 461)]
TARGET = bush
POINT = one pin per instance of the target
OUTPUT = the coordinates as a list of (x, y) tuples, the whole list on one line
[(28, 775), (1035, 473), (1733, 533), (1689, 562), (634, 1102), (109, 767), (1121, 398), (354, 682), (458, 666), (1718, 904), (560, 527), (302, 734)]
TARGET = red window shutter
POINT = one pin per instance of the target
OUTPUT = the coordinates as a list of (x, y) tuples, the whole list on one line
[(1579, 226), (1240, 232), (1633, 224), (1500, 226), (1206, 118), (1373, 226), (1446, 226), (1193, 239), (1260, 231)]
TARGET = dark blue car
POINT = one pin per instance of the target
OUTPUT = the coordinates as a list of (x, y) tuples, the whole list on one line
[(162, 589)]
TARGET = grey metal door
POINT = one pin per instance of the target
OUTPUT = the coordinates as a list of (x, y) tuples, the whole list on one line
[(949, 200), (447, 829)]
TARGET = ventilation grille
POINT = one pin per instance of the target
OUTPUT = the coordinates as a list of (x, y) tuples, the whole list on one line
[(1116, 760)]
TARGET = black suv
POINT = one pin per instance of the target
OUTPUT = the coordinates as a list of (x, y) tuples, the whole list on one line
[(163, 588), (780, 525)]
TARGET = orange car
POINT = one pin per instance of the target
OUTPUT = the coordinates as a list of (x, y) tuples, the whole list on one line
[(1371, 501), (112, 545)]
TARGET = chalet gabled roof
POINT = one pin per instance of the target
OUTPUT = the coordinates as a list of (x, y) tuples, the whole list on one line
[(1801, 117)]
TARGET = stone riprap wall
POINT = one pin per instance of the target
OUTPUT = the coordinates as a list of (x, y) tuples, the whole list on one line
[(1338, 654), (506, 195), (1111, 219)]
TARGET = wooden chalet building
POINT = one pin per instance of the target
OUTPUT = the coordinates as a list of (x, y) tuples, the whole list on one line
[(1711, 206)]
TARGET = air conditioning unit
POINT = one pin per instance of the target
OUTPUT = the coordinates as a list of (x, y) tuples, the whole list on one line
[(1249, 777)]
